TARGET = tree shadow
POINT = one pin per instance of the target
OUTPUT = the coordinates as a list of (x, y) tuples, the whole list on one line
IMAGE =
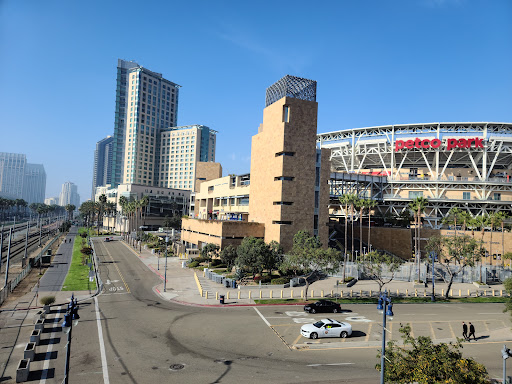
[(227, 363)]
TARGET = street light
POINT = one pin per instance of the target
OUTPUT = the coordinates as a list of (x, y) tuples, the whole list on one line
[(70, 319), (505, 353), (165, 273), (384, 306), (433, 257)]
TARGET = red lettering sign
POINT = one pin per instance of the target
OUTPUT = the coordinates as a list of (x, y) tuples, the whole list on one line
[(451, 144)]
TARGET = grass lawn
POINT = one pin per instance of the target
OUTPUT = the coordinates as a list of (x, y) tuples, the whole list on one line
[(78, 275), (402, 300)]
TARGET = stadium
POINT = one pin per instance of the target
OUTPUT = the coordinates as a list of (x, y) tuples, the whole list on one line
[(464, 165)]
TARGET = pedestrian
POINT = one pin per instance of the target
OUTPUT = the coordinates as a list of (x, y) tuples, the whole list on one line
[(464, 330), (471, 332)]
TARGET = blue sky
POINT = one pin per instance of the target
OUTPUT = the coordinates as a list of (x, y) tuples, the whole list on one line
[(376, 62)]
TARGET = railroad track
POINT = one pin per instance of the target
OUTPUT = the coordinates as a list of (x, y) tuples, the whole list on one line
[(18, 246)]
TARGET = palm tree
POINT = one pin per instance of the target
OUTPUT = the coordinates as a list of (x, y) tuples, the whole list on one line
[(123, 202), (143, 202), (370, 204), (344, 201), (69, 209), (352, 199), (361, 204), (111, 211), (452, 217), (502, 216), (418, 205), (101, 208)]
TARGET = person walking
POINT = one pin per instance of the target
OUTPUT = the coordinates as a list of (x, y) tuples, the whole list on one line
[(464, 330), (471, 332)]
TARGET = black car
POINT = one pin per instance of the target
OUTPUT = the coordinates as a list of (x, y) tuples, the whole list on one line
[(323, 306)]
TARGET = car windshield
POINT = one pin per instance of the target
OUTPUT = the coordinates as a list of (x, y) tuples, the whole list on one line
[(318, 324)]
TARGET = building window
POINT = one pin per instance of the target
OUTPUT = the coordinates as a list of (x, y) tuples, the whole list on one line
[(283, 202), (287, 178), (286, 114), (317, 176), (317, 199), (415, 194), (466, 195), (285, 154), (281, 222), (497, 196)]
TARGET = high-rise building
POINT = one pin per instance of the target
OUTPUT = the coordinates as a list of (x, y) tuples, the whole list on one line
[(180, 150), (34, 184), (52, 201), (21, 180), (102, 171), (12, 173), (145, 104), (69, 195)]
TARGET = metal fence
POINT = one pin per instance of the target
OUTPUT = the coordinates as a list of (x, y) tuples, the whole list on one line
[(408, 272), (9, 287)]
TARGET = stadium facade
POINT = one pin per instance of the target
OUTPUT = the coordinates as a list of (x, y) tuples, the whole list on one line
[(464, 165)]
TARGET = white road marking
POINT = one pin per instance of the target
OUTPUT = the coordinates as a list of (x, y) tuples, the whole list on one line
[(46, 364), (259, 313), (102, 344), (498, 313), (318, 365), (296, 313), (303, 320)]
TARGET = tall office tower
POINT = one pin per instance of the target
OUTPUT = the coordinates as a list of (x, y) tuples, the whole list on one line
[(145, 104), (180, 150), (286, 166), (34, 184), (69, 195), (102, 171), (12, 172)]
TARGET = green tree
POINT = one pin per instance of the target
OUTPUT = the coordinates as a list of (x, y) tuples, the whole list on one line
[(251, 253), (209, 251), (455, 253), (423, 362), (228, 255), (273, 258), (308, 256), (373, 264)]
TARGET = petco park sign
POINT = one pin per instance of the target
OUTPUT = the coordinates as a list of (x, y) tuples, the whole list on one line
[(450, 144)]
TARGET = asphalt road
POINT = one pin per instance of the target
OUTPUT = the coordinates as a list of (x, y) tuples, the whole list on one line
[(149, 340)]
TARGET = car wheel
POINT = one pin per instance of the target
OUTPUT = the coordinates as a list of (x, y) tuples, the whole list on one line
[(335, 310), (313, 310), (343, 334), (314, 335)]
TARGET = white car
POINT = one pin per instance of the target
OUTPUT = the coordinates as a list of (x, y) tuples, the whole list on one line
[(326, 328)]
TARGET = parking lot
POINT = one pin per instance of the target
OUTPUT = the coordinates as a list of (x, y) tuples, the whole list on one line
[(441, 322)]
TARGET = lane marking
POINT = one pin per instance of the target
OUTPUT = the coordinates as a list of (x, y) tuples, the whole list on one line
[(46, 365), (451, 330), (118, 271), (369, 332), (497, 313), (432, 331), (319, 365), (263, 318), (102, 344), (297, 339)]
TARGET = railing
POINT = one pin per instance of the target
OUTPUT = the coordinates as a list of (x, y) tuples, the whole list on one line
[(408, 177), (11, 285)]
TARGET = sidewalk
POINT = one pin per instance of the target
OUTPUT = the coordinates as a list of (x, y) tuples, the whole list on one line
[(182, 286)]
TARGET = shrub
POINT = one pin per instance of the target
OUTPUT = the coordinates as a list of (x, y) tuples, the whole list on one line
[(86, 250), (216, 262), (279, 281), (193, 264), (47, 300), (348, 279)]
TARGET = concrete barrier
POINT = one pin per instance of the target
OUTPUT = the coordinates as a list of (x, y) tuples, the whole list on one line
[(40, 324), (30, 351), (23, 370), (35, 336)]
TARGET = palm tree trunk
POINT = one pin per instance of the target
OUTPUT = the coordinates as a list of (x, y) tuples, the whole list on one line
[(360, 232), (502, 244), (369, 229), (352, 231)]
